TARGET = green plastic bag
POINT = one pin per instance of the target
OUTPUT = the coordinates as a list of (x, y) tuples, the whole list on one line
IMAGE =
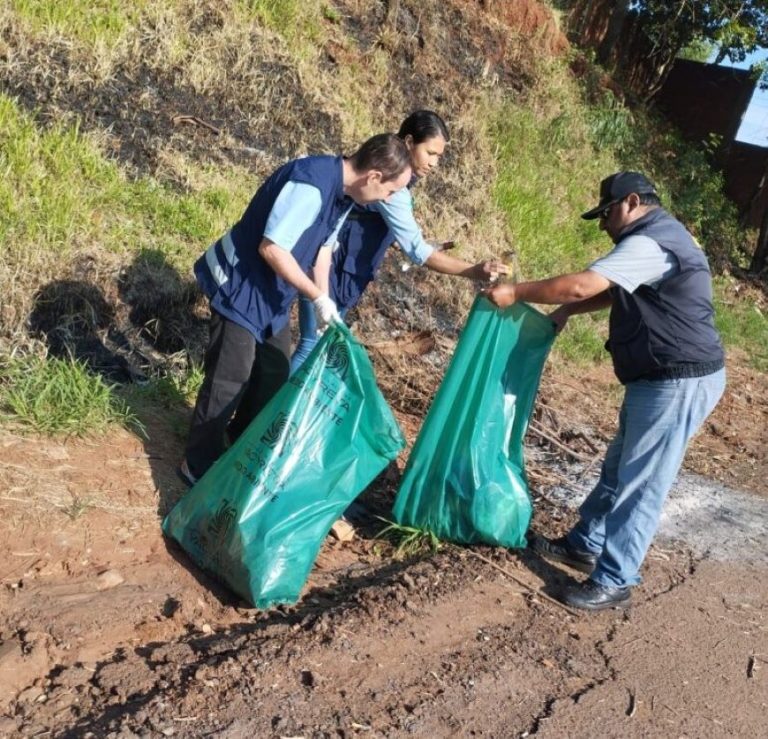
[(465, 479), (257, 518)]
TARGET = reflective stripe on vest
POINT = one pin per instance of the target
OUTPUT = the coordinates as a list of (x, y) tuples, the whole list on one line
[(215, 256)]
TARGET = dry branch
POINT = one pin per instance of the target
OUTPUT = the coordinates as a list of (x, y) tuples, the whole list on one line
[(529, 588), (539, 431)]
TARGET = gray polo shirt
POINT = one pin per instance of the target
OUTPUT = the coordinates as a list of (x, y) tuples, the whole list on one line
[(634, 261)]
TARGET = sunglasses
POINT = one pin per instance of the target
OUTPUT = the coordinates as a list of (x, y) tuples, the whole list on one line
[(605, 212)]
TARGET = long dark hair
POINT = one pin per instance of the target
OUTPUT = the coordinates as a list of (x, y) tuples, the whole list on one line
[(422, 125)]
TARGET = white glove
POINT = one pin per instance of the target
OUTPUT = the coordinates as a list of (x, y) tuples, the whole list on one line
[(325, 312)]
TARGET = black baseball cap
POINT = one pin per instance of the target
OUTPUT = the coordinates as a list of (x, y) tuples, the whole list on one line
[(615, 188)]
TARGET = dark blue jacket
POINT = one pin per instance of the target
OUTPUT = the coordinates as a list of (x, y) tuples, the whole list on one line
[(239, 283), (363, 242), (666, 331)]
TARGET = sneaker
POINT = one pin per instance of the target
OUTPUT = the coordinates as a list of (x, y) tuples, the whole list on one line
[(357, 513), (592, 596), (560, 550), (185, 474)]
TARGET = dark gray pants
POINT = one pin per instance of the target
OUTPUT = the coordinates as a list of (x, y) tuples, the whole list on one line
[(241, 377)]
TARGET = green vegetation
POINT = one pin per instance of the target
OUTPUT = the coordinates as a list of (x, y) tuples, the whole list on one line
[(96, 21), (59, 396), (60, 191), (698, 50), (741, 323), (299, 23), (408, 541), (546, 178), (169, 391)]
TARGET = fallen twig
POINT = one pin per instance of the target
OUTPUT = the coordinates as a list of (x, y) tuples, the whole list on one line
[(193, 119), (539, 431), (590, 465), (529, 588), (632, 704)]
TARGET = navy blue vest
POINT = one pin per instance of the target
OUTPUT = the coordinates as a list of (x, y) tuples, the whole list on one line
[(363, 242), (666, 331), (239, 283)]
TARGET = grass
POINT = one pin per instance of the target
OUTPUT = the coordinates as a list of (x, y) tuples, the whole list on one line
[(299, 23), (59, 397), (59, 191), (169, 391), (548, 171), (583, 340), (409, 541), (547, 174), (166, 397), (96, 21), (742, 323)]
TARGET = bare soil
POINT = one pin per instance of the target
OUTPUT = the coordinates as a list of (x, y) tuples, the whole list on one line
[(108, 629)]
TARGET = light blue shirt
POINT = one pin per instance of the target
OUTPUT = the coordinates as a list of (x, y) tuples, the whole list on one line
[(398, 215), (293, 212), (634, 261)]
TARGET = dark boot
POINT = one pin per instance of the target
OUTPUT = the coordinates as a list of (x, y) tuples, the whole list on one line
[(592, 596), (559, 550)]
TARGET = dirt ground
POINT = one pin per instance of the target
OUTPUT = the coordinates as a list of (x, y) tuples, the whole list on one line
[(107, 629)]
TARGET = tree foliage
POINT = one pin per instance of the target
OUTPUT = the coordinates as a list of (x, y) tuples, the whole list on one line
[(736, 27)]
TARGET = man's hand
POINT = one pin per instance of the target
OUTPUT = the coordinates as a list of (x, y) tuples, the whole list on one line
[(489, 271), (501, 295), (325, 312)]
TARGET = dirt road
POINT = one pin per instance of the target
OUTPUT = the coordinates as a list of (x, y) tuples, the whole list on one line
[(108, 630)]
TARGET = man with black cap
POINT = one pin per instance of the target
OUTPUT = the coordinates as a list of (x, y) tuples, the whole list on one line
[(667, 354)]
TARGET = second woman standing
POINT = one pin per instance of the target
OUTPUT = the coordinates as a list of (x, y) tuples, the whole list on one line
[(345, 268)]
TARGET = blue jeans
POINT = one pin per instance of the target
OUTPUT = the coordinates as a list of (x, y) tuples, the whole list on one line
[(307, 333), (620, 516)]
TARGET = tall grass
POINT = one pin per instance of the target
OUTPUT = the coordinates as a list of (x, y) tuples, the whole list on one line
[(96, 21), (742, 323), (59, 396), (299, 23), (60, 196), (59, 191), (548, 174), (170, 391)]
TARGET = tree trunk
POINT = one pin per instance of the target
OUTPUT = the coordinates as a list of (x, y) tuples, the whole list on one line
[(607, 49), (662, 71), (760, 257)]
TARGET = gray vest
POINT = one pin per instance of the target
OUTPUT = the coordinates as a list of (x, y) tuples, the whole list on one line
[(666, 331)]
